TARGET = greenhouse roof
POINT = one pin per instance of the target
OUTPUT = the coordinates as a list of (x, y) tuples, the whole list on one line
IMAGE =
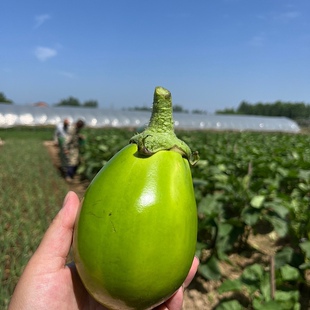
[(17, 115)]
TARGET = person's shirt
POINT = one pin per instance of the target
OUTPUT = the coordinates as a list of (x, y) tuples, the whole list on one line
[(71, 138), (60, 131)]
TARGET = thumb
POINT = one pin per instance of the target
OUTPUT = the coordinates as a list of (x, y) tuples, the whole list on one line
[(55, 245)]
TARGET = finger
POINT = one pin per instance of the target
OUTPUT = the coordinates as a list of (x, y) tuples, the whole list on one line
[(192, 272), (55, 245), (176, 301)]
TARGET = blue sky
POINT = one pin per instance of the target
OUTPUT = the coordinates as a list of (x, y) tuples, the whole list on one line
[(211, 55)]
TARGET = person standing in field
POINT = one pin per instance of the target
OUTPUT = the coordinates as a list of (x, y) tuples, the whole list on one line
[(71, 147), (60, 136), (61, 131)]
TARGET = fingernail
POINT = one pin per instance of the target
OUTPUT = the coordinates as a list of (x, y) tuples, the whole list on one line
[(66, 199)]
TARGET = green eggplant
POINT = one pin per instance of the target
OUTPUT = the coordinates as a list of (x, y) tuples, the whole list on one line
[(136, 229)]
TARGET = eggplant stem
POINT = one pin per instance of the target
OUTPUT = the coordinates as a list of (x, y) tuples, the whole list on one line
[(159, 134)]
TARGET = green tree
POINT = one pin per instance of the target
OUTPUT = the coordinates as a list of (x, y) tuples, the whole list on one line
[(4, 99), (244, 108), (142, 108), (71, 101), (90, 104), (297, 110), (226, 111), (198, 111), (178, 108)]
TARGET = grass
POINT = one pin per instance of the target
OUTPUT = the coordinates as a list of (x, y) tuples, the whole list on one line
[(31, 193), (25, 133)]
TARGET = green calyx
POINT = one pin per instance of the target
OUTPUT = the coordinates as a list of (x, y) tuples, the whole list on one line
[(159, 134)]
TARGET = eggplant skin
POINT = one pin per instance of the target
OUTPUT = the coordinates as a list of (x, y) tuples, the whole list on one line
[(136, 230)]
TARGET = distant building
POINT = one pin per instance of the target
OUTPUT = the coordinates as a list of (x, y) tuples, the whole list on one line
[(40, 104)]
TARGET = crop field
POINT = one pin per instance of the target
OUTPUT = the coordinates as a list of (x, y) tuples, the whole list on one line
[(31, 193), (252, 192)]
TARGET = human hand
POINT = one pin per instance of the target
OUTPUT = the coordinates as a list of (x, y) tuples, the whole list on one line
[(48, 283)]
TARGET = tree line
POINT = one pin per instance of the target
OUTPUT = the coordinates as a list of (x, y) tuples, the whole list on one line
[(295, 111), (4, 99), (176, 108), (70, 101), (74, 102)]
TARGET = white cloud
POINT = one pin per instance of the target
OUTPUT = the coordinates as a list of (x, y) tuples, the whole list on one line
[(44, 53), (40, 19)]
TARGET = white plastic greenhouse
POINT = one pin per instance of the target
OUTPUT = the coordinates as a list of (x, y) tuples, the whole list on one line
[(14, 115)]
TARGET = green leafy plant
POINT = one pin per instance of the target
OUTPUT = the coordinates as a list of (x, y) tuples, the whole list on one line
[(256, 284)]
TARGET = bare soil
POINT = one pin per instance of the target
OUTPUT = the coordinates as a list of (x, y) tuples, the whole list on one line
[(202, 294)]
